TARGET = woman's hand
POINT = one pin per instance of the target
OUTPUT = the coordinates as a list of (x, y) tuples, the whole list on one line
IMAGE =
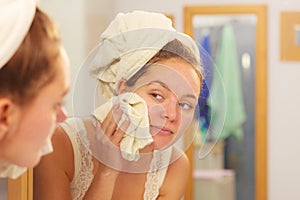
[(106, 149), (110, 128), (108, 138)]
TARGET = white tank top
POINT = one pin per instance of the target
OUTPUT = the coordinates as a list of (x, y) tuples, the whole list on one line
[(83, 164)]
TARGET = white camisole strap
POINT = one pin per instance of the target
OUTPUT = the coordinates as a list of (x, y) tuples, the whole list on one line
[(83, 164), (156, 175)]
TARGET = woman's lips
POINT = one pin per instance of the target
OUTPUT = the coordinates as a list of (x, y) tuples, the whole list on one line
[(160, 130)]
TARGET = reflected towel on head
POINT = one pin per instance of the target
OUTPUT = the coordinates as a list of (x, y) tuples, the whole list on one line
[(128, 43), (137, 135)]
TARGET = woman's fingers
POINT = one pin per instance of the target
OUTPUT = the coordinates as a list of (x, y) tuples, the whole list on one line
[(119, 133), (110, 123), (108, 138), (109, 127)]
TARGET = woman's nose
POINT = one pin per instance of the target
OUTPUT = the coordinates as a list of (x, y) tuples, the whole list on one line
[(171, 109), (61, 115)]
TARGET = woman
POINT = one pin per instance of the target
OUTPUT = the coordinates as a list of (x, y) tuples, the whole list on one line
[(33, 82), (150, 64)]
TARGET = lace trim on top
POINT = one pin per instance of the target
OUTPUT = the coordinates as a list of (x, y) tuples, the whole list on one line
[(156, 175), (84, 176)]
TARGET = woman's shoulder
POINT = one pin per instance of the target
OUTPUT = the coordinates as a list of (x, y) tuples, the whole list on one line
[(177, 175), (62, 156), (179, 166), (178, 157), (67, 144)]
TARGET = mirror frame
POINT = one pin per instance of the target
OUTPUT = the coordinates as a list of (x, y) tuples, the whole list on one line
[(22, 187), (260, 166)]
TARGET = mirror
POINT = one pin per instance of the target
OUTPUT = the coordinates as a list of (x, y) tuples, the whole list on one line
[(246, 158), (22, 187)]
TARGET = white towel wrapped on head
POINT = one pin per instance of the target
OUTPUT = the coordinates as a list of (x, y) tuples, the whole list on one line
[(128, 43), (15, 20)]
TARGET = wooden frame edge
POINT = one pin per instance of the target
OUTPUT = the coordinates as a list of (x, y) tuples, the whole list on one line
[(260, 10)]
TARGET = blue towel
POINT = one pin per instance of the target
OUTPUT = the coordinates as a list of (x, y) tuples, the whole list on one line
[(205, 54), (227, 64)]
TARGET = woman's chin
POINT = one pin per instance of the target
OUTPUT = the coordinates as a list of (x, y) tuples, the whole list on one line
[(35, 160), (149, 148)]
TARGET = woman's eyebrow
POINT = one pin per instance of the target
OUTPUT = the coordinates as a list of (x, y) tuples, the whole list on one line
[(190, 96), (160, 83), (166, 87), (65, 92)]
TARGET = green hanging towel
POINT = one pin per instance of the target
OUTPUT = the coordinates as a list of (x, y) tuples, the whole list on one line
[(227, 65)]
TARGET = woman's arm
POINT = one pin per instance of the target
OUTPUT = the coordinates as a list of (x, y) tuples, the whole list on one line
[(102, 187), (55, 171), (176, 179), (53, 175)]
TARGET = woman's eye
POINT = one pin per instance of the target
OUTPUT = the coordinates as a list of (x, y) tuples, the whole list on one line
[(186, 106), (157, 96)]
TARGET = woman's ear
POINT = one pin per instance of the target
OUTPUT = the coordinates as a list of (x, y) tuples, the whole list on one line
[(6, 105), (122, 87)]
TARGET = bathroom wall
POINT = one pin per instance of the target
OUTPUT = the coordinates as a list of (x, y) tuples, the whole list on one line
[(81, 24)]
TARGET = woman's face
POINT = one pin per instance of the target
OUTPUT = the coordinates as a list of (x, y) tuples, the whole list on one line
[(170, 88), (35, 123)]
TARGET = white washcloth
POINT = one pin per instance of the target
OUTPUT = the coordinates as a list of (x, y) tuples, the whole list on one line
[(137, 135), (15, 20)]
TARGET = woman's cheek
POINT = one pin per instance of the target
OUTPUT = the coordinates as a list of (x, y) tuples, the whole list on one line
[(150, 113), (186, 121), (155, 113)]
